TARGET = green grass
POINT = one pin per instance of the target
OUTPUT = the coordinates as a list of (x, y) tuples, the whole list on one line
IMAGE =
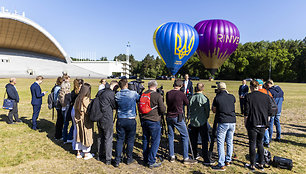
[(26, 151)]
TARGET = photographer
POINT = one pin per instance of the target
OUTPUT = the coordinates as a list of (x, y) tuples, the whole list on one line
[(224, 107), (199, 113), (126, 123), (150, 122), (175, 100)]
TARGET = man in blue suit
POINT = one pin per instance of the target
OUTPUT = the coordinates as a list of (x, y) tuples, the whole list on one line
[(188, 91), (36, 99), (243, 90)]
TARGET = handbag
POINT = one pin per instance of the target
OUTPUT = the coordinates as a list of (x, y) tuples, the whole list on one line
[(282, 163), (7, 103)]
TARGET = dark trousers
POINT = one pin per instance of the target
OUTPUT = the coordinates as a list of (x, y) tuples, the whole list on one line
[(242, 102), (105, 140), (13, 112), (36, 110), (194, 133), (126, 130), (255, 140), (59, 124), (151, 135), (67, 118)]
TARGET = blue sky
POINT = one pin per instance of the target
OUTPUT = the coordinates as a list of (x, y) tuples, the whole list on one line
[(97, 28)]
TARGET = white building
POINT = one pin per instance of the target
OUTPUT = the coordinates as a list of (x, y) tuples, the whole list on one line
[(28, 50)]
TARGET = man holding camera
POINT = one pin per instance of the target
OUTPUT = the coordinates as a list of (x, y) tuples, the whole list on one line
[(199, 113), (150, 121), (175, 100), (224, 107), (126, 123)]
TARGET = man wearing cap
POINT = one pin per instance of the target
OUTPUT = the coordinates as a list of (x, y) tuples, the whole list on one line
[(224, 107), (278, 96)]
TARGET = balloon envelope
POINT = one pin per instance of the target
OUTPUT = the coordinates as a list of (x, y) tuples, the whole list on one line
[(175, 43), (218, 39)]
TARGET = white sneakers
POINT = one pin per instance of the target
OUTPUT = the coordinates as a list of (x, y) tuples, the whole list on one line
[(88, 156)]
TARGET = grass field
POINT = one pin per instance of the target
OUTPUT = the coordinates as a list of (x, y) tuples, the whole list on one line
[(23, 150)]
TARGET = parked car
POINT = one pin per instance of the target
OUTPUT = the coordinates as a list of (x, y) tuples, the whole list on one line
[(133, 77), (161, 78), (111, 77), (194, 78)]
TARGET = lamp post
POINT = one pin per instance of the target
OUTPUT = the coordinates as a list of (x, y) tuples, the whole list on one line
[(270, 68)]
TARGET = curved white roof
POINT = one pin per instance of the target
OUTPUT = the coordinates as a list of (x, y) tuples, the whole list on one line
[(20, 33)]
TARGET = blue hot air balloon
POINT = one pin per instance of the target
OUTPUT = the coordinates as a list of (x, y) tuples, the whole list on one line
[(175, 43)]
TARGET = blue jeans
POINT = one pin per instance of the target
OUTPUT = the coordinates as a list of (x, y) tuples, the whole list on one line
[(66, 135), (151, 133), (225, 131), (126, 130), (275, 120), (266, 138), (36, 110), (181, 127)]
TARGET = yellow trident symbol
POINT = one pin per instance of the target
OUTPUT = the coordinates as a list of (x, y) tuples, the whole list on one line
[(180, 50)]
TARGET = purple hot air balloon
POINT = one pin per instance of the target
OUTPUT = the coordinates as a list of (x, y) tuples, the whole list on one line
[(218, 39)]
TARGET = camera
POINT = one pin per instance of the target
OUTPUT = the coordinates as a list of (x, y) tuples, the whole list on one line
[(216, 88), (136, 86)]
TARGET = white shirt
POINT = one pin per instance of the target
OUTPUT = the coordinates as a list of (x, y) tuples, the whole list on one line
[(102, 86), (185, 85)]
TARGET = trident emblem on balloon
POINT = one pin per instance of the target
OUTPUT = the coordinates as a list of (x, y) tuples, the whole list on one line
[(218, 39), (175, 43)]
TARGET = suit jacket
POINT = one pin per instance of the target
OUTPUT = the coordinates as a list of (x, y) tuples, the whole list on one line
[(36, 94), (243, 90), (189, 88), (12, 92)]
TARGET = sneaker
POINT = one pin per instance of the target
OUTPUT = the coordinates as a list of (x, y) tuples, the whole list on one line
[(79, 155), (190, 161), (155, 165), (266, 145), (172, 159), (209, 163), (250, 167), (227, 164), (68, 142), (116, 164), (218, 168), (108, 162), (259, 167), (19, 121), (88, 156), (277, 140)]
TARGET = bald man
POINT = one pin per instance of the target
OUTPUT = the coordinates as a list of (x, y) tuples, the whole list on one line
[(12, 94)]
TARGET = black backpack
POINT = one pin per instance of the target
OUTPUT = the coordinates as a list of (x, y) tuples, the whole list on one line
[(51, 102), (267, 158), (274, 107), (94, 110)]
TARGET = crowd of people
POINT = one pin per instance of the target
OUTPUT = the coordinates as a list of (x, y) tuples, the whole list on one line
[(191, 121)]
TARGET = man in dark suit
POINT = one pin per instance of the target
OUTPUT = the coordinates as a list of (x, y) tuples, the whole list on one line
[(243, 90), (12, 94), (36, 99), (188, 91)]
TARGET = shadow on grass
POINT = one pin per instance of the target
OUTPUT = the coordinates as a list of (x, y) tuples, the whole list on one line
[(294, 134), (48, 127), (4, 118), (296, 127)]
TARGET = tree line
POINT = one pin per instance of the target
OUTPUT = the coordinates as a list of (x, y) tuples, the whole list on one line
[(250, 60)]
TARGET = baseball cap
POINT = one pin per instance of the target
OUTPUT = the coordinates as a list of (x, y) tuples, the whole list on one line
[(260, 82)]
